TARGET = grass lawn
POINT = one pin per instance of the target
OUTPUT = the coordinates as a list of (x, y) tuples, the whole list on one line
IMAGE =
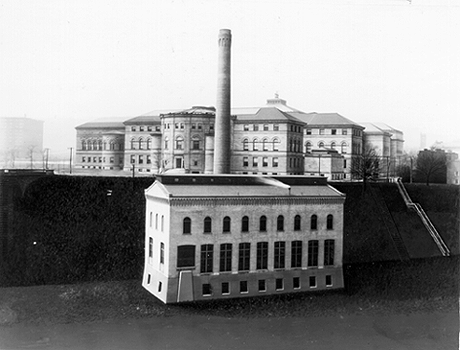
[(428, 285)]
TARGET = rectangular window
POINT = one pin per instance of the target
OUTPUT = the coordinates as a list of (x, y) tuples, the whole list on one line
[(149, 159), (344, 163), (333, 131), (296, 282), (206, 289), (100, 159), (185, 256), (280, 255), (149, 278), (265, 127), (279, 284), (133, 128), (255, 161), (141, 159), (162, 253), (245, 161), (313, 253), (256, 127), (262, 286), (195, 144), (246, 127), (265, 161), (150, 247), (200, 126), (321, 131), (296, 254), (276, 127), (225, 288), (83, 159), (308, 131), (112, 160), (207, 256), (275, 162), (133, 159), (243, 286), (225, 257), (329, 252), (159, 287), (244, 256), (344, 131), (193, 126), (328, 281), (312, 281), (262, 255)]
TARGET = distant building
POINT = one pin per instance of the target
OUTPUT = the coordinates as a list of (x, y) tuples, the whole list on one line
[(20, 139), (453, 168), (227, 236), (275, 139)]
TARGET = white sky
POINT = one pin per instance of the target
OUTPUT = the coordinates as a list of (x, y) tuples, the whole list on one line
[(392, 61)]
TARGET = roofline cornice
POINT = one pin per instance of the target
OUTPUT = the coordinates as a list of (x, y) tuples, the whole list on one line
[(238, 201)]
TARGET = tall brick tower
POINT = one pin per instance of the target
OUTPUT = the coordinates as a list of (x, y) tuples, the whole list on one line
[(222, 123)]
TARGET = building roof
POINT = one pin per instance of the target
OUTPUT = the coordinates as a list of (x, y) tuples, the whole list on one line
[(103, 123), (269, 113), (325, 119), (195, 110), (371, 128), (203, 186)]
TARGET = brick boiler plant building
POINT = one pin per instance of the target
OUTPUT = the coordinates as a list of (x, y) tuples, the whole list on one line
[(227, 236)]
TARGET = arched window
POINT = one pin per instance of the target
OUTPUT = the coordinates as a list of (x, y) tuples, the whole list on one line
[(207, 225), (112, 146), (297, 222), (330, 222), (321, 144), (314, 222), (83, 145), (133, 144), (245, 145), (166, 142), (255, 145), (149, 142), (156, 221), (187, 226), (245, 224), (226, 224), (265, 144), (141, 141), (104, 146), (276, 144), (179, 142), (344, 148), (95, 145), (263, 223), (99, 145), (280, 223), (333, 145), (308, 147)]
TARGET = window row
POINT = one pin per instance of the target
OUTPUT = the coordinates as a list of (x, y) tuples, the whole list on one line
[(145, 128), (264, 127), (193, 126), (326, 131), (264, 145), (186, 255), (98, 159), (159, 221), (262, 224), (147, 159), (266, 161), (262, 284), (179, 142), (99, 145), (321, 144)]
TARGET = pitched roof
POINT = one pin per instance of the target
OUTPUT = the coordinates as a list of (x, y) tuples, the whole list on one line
[(371, 128), (329, 119), (269, 113), (104, 123)]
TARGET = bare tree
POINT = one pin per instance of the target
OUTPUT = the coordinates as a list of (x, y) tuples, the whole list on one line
[(406, 166), (366, 165), (431, 165)]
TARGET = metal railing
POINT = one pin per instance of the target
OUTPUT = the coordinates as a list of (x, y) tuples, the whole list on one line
[(445, 251)]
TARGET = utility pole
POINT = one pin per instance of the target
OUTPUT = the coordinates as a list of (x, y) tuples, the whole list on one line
[(70, 163), (319, 164)]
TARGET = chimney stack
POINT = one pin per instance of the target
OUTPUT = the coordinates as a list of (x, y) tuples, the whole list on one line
[(222, 123)]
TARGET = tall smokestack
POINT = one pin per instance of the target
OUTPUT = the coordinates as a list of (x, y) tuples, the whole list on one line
[(222, 124)]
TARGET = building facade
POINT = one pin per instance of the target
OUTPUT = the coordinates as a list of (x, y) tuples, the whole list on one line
[(275, 139), (224, 236)]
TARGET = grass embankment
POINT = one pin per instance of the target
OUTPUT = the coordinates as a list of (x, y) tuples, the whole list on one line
[(377, 288)]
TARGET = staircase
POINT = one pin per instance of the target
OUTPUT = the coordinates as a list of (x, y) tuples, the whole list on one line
[(445, 251), (389, 223)]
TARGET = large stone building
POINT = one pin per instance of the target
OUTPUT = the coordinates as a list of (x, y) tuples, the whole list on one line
[(226, 236), (275, 139)]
